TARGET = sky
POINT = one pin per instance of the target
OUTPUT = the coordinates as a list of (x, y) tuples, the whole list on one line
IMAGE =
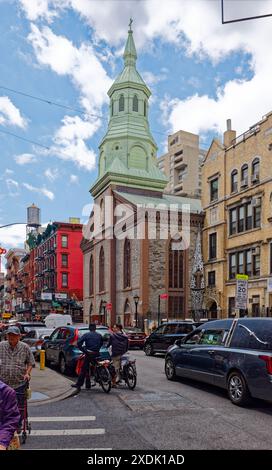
[(68, 53)]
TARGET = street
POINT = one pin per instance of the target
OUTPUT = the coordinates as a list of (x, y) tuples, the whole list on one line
[(158, 414)]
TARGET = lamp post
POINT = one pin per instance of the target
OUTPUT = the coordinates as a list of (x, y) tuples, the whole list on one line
[(103, 305), (136, 300)]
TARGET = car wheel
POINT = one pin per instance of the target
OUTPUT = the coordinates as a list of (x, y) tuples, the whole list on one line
[(62, 364), (148, 350), (170, 370), (238, 390)]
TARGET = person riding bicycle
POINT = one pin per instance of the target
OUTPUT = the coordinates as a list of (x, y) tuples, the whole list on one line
[(90, 344), (119, 343)]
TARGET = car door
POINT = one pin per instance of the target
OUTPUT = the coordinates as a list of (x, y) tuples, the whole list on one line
[(52, 345), (168, 336), (156, 338), (181, 351), (201, 357)]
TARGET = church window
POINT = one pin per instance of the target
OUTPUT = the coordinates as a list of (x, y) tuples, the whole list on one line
[(101, 270), (175, 268), (144, 108), (121, 103), (127, 263), (135, 103), (102, 212), (112, 107)]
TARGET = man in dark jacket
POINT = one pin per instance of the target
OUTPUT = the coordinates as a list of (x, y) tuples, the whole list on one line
[(119, 343), (90, 344), (9, 415)]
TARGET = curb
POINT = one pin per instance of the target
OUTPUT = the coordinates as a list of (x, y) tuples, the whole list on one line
[(60, 397)]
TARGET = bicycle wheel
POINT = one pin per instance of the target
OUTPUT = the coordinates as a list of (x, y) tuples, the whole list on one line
[(130, 377), (104, 379)]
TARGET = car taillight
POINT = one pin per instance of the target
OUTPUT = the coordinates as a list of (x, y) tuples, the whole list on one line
[(39, 342), (74, 340), (268, 363)]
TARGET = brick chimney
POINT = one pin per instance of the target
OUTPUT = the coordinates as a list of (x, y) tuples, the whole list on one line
[(229, 134)]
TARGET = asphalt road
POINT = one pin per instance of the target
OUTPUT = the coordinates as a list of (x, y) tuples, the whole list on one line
[(158, 414)]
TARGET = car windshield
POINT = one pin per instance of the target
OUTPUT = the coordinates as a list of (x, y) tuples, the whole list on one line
[(133, 330)]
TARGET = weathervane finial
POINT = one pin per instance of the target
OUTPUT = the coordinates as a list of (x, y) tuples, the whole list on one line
[(130, 23)]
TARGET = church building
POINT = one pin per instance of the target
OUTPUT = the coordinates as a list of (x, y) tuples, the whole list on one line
[(142, 246)]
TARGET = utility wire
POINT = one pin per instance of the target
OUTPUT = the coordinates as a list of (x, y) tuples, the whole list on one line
[(23, 138), (70, 108)]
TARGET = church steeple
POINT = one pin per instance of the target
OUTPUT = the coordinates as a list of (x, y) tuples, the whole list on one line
[(130, 54), (128, 150)]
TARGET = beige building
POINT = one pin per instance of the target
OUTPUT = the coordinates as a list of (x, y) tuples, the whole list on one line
[(237, 235), (182, 164)]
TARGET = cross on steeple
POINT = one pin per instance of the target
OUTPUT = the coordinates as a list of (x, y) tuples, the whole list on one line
[(130, 23)]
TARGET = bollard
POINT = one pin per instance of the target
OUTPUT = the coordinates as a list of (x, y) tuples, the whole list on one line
[(42, 359)]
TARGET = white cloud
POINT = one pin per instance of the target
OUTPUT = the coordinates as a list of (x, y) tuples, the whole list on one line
[(25, 158), (8, 171), (9, 114), (73, 179), (13, 187), (14, 236), (35, 9), (51, 174), (45, 192)]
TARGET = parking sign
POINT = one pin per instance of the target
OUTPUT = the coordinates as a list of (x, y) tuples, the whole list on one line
[(241, 291)]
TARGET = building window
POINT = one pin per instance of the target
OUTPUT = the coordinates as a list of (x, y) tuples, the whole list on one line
[(121, 103), (101, 270), (64, 241), (214, 189), (257, 216), (176, 307), (211, 279), (64, 279), (244, 176), (248, 216), (231, 306), (242, 218), (64, 260), (175, 268), (256, 265), (234, 181), (270, 270), (232, 266), (212, 246), (102, 212), (91, 274), (144, 108), (255, 171), (112, 104), (135, 104), (214, 215), (233, 221), (248, 262), (127, 263)]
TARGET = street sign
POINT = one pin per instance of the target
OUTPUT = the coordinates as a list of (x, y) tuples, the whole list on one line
[(241, 291), (109, 306), (46, 296), (164, 296), (60, 296)]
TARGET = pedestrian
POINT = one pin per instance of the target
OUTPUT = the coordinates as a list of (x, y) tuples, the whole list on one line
[(90, 345), (119, 344), (16, 359), (9, 416)]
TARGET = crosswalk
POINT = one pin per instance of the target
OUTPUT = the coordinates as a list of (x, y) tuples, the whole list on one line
[(45, 431)]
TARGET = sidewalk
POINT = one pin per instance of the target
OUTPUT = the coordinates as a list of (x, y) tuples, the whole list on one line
[(48, 385)]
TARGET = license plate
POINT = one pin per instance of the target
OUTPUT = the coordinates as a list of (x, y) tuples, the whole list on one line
[(136, 337)]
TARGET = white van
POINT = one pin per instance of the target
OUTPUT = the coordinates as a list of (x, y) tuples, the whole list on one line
[(53, 320)]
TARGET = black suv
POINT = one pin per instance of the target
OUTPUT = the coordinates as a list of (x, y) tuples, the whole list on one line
[(165, 335)]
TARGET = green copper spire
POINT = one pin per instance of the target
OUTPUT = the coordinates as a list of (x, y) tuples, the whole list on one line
[(130, 54), (128, 150)]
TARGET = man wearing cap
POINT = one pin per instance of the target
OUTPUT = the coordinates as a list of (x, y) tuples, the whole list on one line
[(16, 359)]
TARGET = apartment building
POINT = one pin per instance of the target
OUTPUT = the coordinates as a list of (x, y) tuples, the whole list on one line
[(237, 235), (182, 164)]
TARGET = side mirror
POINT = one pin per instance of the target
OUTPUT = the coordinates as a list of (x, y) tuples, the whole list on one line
[(178, 342)]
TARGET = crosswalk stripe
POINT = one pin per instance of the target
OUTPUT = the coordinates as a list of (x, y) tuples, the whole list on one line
[(67, 432), (61, 418)]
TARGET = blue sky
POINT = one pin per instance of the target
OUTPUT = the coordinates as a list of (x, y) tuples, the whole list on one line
[(69, 51)]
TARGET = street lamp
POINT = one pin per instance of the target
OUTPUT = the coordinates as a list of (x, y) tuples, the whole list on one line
[(136, 300)]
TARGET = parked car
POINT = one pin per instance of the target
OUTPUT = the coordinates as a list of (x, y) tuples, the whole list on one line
[(232, 354), (165, 335), (136, 337), (61, 347), (34, 337), (25, 325)]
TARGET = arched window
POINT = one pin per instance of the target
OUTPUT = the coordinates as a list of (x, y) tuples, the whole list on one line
[(102, 212), (135, 103), (244, 175), (121, 103), (91, 274), (255, 170), (234, 181), (144, 107), (175, 267), (101, 270), (112, 107), (127, 263)]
